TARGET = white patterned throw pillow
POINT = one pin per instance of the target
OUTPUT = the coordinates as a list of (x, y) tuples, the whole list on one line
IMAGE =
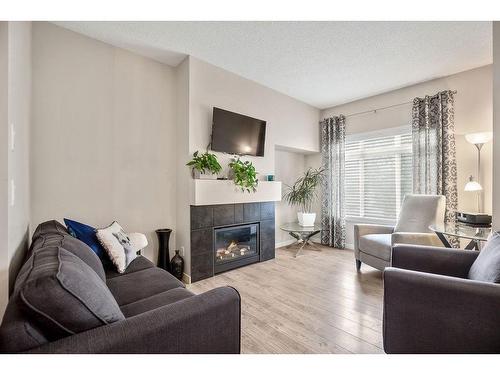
[(130, 251), (111, 239)]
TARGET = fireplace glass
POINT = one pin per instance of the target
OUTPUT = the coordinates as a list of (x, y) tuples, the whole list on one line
[(236, 246)]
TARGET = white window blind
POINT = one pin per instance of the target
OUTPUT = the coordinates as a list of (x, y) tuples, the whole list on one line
[(378, 170)]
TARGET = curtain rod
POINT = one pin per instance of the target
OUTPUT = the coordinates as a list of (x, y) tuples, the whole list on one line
[(382, 108)]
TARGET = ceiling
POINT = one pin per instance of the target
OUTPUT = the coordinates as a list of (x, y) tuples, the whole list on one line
[(320, 63)]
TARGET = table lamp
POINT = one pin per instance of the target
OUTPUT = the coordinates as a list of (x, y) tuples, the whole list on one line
[(477, 139)]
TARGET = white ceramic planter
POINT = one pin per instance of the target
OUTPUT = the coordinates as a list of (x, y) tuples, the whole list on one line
[(306, 219), (204, 176)]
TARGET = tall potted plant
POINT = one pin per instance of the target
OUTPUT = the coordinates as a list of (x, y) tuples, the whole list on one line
[(303, 193), (205, 166)]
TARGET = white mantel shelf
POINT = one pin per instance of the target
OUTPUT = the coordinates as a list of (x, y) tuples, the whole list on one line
[(207, 192)]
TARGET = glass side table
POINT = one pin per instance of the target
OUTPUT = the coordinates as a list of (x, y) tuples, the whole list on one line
[(473, 233), (302, 235)]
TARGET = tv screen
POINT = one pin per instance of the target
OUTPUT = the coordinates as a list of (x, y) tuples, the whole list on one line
[(237, 134)]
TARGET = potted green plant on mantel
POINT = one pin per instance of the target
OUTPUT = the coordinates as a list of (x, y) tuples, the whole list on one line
[(205, 166), (303, 193), (243, 174)]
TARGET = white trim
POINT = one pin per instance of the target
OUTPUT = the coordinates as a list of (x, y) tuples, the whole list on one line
[(397, 130), (284, 243), (209, 192), (186, 279)]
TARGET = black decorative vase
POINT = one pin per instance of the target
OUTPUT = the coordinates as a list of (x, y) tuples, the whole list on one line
[(177, 265), (163, 249)]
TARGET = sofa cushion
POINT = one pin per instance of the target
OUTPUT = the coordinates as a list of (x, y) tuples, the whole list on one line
[(486, 267), (138, 264), (377, 245), (63, 295), (153, 302), (51, 226), (17, 332), (86, 234), (52, 233), (132, 287)]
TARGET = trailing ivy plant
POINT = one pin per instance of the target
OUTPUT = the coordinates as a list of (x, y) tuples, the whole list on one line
[(303, 192), (245, 176), (205, 162)]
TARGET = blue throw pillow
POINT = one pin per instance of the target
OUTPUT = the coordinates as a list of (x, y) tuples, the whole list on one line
[(86, 234)]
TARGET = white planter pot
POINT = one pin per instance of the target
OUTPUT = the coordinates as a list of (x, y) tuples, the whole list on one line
[(306, 219), (204, 176)]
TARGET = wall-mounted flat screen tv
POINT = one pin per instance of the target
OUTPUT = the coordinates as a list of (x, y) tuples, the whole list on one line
[(237, 134)]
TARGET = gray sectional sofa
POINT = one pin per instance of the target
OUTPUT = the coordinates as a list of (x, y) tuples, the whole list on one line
[(64, 301)]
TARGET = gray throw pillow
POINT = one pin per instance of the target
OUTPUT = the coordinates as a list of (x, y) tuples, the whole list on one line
[(64, 296), (486, 267)]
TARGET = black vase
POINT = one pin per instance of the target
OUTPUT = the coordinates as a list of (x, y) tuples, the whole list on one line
[(177, 265), (163, 249)]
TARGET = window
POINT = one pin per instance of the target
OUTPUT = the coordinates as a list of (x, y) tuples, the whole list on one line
[(378, 168)]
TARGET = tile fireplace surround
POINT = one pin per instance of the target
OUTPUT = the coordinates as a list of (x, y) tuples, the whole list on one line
[(205, 220)]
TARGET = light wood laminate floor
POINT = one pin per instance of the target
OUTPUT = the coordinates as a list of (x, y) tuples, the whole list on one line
[(315, 303)]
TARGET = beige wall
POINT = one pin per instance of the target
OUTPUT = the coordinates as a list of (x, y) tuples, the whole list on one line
[(103, 136), (4, 230), (290, 123), (289, 166), (112, 132), (183, 177), (20, 120), (496, 124), (15, 95), (473, 113)]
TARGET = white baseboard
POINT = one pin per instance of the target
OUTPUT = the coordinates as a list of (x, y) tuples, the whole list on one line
[(284, 243), (186, 279)]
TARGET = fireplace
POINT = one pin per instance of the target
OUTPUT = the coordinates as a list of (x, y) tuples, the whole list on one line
[(213, 227), (235, 246)]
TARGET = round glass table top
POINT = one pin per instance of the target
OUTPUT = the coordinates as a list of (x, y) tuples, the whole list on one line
[(463, 231), (295, 227)]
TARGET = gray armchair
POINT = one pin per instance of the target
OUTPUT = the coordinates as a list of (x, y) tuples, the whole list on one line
[(373, 243), (431, 307)]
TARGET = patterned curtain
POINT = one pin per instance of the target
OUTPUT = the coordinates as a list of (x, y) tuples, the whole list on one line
[(434, 159), (332, 202)]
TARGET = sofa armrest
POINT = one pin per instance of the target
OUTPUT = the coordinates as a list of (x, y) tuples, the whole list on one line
[(364, 229), (427, 313), (438, 260), (425, 239), (205, 323)]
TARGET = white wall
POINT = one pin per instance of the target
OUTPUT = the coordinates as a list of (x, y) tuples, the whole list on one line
[(289, 166), (20, 120), (103, 136), (4, 177), (473, 113), (290, 123)]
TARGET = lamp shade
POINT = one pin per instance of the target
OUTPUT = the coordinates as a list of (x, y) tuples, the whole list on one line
[(479, 138), (473, 185), (138, 241)]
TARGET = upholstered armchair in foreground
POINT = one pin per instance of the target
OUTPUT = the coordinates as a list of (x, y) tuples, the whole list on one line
[(373, 243), (439, 300)]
